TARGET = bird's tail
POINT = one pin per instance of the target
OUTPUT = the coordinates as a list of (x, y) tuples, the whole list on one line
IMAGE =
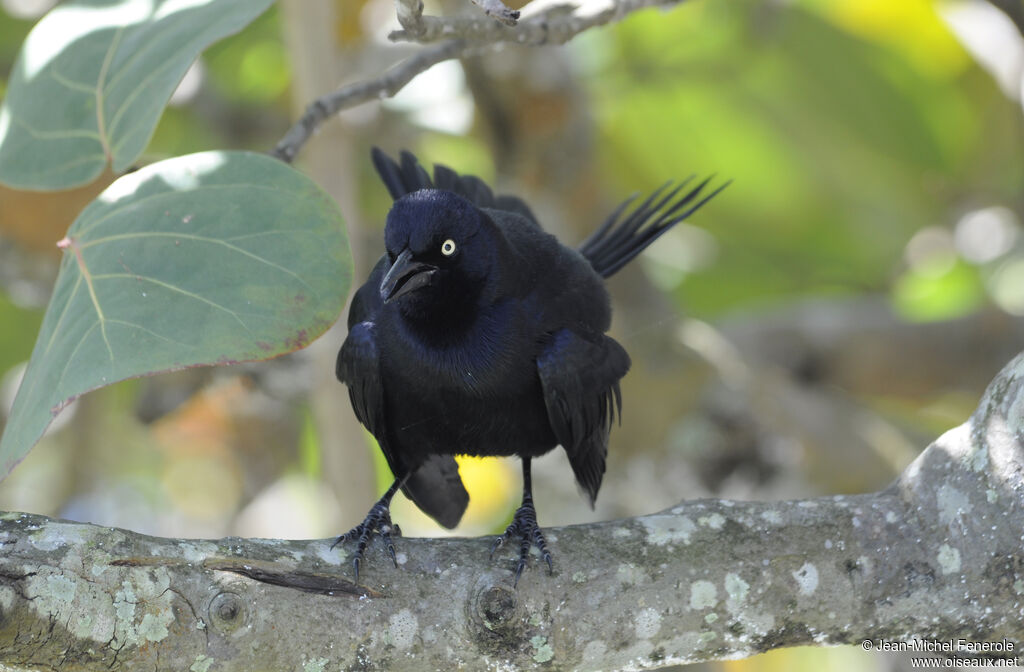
[(623, 236)]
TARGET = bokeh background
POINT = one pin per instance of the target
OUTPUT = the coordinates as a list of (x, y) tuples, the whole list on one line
[(839, 306)]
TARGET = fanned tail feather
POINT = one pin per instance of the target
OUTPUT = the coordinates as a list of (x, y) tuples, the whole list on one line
[(407, 175), (400, 179), (620, 238)]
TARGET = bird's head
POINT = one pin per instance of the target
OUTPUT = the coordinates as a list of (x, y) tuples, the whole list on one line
[(443, 252)]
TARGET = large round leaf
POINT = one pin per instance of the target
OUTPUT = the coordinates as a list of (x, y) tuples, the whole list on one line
[(92, 79), (210, 258)]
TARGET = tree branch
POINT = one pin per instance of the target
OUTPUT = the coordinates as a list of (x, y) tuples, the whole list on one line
[(497, 10), (388, 84), (410, 15), (463, 36), (548, 24), (937, 555)]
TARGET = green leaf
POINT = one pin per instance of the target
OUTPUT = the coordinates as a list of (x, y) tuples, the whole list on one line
[(92, 79), (210, 258)]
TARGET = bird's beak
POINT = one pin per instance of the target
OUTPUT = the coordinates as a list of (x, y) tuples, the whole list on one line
[(404, 276)]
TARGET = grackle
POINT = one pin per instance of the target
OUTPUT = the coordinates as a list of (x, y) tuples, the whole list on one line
[(477, 333)]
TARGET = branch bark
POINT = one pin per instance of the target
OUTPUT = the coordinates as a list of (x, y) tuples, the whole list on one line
[(385, 86), (462, 37), (545, 22), (936, 555)]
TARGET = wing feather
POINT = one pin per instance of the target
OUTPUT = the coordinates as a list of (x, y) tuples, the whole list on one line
[(580, 379), (434, 485)]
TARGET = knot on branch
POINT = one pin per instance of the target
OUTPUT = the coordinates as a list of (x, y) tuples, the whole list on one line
[(498, 618), (227, 612)]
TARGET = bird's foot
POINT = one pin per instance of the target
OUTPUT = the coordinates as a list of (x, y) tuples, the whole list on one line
[(524, 527), (378, 521)]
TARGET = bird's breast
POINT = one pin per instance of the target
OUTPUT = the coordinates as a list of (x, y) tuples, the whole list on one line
[(493, 354), (429, 416), (478, 394)]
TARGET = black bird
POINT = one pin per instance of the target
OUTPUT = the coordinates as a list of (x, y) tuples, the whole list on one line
[(479, 334)]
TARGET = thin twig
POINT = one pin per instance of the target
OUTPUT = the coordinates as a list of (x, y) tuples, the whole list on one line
[(554, 24), (410, 15), (496, 9), (384, 86), (465, 36)]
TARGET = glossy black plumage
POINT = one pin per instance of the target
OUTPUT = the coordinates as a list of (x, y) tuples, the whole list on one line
[(478, 333)]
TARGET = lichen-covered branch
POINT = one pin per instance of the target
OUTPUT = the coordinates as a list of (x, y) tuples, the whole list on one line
[(550, 24), (497, 10), (462, 36), (410, 15), (938, 555)]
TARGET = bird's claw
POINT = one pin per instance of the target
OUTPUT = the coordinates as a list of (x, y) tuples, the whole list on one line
[(524, 527), (378, 521)]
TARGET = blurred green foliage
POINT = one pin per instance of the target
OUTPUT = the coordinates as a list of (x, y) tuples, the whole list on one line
[(18, 333), (938, 290), (847, 127), (252, 68)]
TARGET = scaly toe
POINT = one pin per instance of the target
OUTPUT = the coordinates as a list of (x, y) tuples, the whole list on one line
[(524, 528), (377, 521)]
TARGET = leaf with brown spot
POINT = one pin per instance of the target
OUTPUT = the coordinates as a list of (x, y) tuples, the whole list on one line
[(188, 262)]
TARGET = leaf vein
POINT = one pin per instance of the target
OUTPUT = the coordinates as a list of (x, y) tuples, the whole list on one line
[(133, 325), (202, 239), (60, 320), (100, 92), (67, 82), (179, 290), (162, 35), (92, 294), (71, 359), (54, 135)]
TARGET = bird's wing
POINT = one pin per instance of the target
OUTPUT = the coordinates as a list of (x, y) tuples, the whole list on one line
[(407, 175), (366, 301), (580, 378), (358, 366), (434, 486)]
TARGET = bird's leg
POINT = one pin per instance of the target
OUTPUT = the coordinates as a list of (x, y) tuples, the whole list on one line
[(524, 527), (377, 520)]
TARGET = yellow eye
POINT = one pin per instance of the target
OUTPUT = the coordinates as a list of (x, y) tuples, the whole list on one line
[(448, 247)]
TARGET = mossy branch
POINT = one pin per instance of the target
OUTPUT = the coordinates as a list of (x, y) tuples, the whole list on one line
[(937, 555)]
